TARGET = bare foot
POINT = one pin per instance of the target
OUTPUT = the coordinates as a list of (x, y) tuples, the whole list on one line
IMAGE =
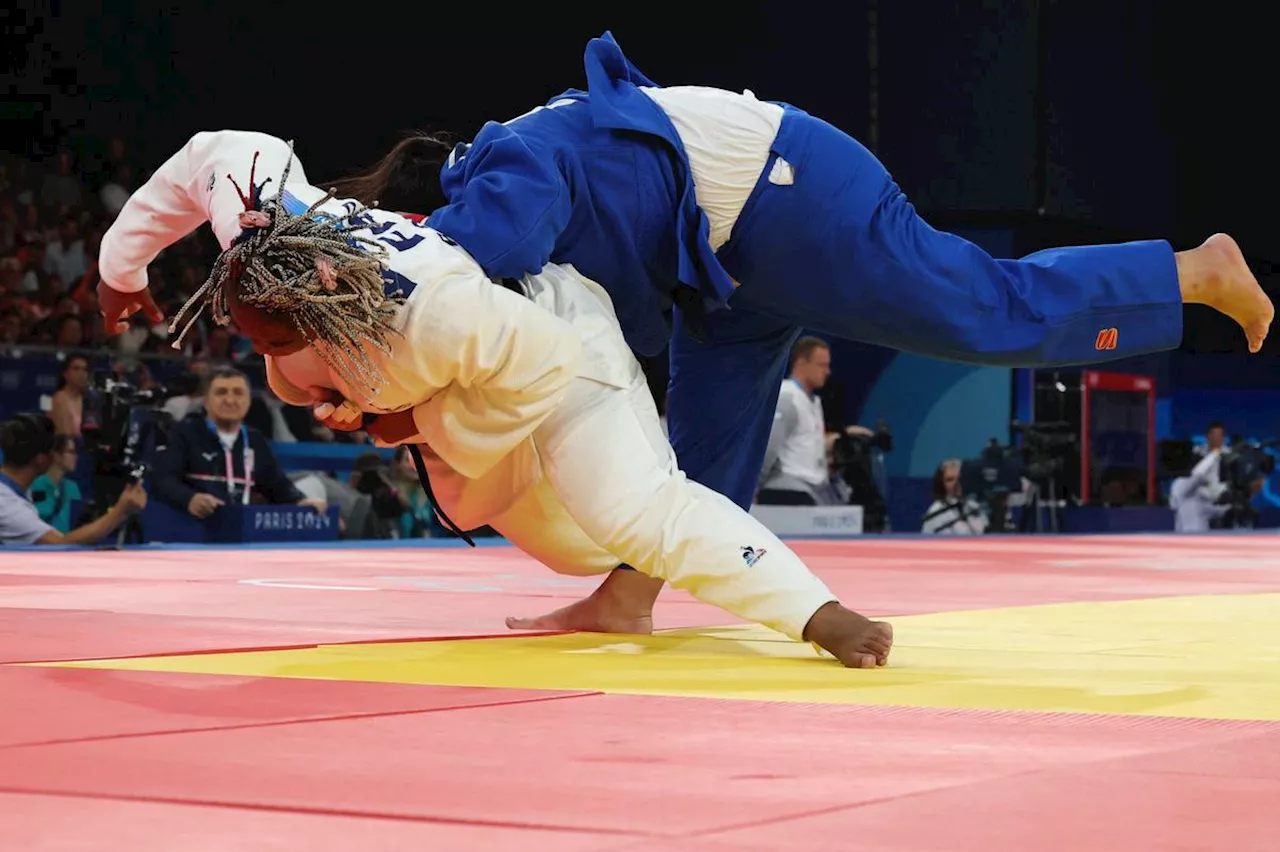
[(1215, 274), (854, 640), (622, 604)]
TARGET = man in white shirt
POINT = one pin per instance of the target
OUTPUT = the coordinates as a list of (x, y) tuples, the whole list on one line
[(795, 464), (65, 258)]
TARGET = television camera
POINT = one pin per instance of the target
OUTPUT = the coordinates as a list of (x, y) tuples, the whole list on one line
[(1042, 458), (1242, 468), (1046, 449), (853, 459), (121, 426)]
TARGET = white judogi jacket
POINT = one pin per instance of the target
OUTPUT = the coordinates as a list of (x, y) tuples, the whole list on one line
[(480, 366)]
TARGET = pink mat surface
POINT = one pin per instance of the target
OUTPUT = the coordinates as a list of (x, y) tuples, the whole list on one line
[(744, 774), (117, 825), (48, 705), (70, 606)]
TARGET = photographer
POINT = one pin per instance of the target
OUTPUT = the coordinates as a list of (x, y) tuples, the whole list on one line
[(28, 443), (213, 460), (1195, 498), (1220, 488), (952, 512)]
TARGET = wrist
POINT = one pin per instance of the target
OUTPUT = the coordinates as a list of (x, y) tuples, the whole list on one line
[(394, 428)]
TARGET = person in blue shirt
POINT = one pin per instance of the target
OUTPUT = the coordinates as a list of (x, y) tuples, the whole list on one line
[(54, 493), (724, 225), (28, 444)]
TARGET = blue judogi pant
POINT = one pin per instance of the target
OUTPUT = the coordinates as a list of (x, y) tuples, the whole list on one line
[(841, 251)]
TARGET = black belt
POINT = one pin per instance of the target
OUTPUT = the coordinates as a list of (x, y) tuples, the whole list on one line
[(425, 481), (431, 497)]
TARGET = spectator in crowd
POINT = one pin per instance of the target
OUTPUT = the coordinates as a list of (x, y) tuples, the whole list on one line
[(51, 222), (117, 191), (54, 493), (61, 188), (67, 408), (64, 258), (951, 512), (36, 279), (28, 444), (10, 327), (188, 390), (217, 459), (418, 520), (70, 332)]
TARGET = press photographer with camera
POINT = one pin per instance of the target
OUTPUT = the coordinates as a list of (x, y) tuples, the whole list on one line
[(952, 512), (215, 459), (1217, 493), (28, 443)]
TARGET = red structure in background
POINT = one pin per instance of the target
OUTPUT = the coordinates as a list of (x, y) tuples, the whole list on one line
[(1094, 386)]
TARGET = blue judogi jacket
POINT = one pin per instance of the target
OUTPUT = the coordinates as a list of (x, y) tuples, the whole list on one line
[(597, 179)]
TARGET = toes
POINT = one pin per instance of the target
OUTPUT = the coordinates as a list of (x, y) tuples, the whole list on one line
[(1257, 334), (526, 623)]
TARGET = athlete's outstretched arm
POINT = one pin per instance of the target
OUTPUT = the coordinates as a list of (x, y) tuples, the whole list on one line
[(191, 188)]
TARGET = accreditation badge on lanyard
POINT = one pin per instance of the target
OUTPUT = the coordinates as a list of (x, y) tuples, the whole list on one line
[(247, 454)]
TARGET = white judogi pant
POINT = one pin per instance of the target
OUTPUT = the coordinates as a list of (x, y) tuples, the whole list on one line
[(611, 492)]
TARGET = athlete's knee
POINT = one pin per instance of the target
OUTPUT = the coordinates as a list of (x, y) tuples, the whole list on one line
[(648, 525)]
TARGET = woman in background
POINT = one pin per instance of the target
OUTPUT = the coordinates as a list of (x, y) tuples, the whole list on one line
[(54, 492), (67, 408)]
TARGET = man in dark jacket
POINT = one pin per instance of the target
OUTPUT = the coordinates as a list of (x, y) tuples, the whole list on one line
[(213, 458)]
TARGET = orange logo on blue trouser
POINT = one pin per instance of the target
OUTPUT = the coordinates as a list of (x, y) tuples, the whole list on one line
[(1106, 339)]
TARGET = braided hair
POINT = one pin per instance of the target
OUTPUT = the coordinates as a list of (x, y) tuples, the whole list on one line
[(311, 269)]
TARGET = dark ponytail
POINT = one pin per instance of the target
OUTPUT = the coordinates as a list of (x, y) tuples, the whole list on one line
[(406, 180)]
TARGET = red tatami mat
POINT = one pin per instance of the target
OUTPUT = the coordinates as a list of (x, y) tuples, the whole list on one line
[(663, 767), (44, 705), (106, 825)]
